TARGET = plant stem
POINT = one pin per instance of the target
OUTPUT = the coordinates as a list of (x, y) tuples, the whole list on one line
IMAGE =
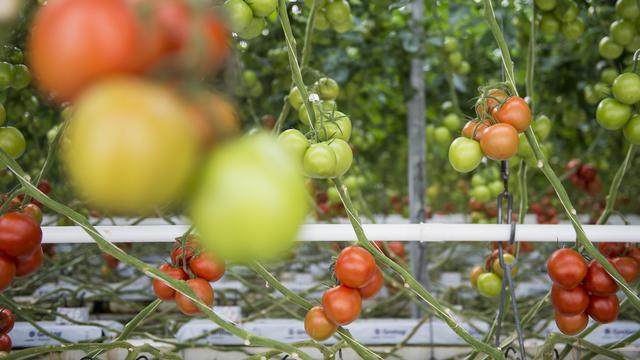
[(615, 186)]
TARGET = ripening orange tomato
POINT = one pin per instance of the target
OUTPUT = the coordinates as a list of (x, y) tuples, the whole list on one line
[(486, 104), (515, 112), (474, 129), (499, 142)]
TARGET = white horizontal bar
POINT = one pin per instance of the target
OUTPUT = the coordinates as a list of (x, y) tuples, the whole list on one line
[(430, 232)]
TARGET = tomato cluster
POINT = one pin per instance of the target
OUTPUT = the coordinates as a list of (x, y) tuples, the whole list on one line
[(360, 278), (194, 266), (601, 89), (584, 177), (494, 133), (488, 278), (441, 134), (623, 33), (485, 188), (247, 16), (334, 14), (614, 113), (581, 290), (7, 320), (545, 211), (560, 16), (20, 250), (454, 57), (331, 156)]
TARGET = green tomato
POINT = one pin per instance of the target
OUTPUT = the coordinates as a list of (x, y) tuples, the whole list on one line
[(3, 115), (492, 173), (489, 284), (338, 12), (452, 121), (611, 114), (626, 88), (608, 75), (320, 161), (345, 26), (344, 156), (295, 98), (433, 191), (303, 114), (464, 68), (21, 77), (573, 29), (328, 106), (609, 49), (450, 44), (546, 5), (327, 88), (321, 22), (255, 91), (509, 259), (549, 24), (253, 30), (334, 195), (622, 31), (361, 181), (496, 187), (249, 78), (442, 135), (481, 193), (567, 12), (294, 142), (335, 125), (634, 44), (6, 75), (239, 14), (262, 8), (250, 202), (632, 130), (542, 127), (478, 180), (12, 141), (590, 95), (524, 149), (465, 154), (351, 182), (628, 9), (455, 59), (602, 90)]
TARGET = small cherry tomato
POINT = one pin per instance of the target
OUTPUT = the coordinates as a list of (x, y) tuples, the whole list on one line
[(569, 302), (489, 284), (515, 112), (7, 271), (598, 281), (611, 248), (571, 324), (5, 343), (603, 309), (317, 325), (500, 142), (207, 266), (627, 266), (355, 267), (161, 289), (566, 268), (28, 264), (342, 304), (7, 320), (19, 234), (373, 286), (203, 291)]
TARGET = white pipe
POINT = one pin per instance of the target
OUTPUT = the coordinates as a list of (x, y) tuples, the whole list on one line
[(429, 232)]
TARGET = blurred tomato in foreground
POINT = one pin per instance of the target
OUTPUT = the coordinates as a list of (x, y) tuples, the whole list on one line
[(251, 200), (130, 146)]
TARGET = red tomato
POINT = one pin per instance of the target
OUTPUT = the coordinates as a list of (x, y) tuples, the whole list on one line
[(566, 268), (355, 266), (7, 320), (603, 309), (73, 43), (161, 289), (176, 253), (26, 265), (611, 249), (598, 281), (569, 302), (627, 266), (634, 252), (571, 324), (342, 304), (7, 271), (5, 343), (397, 247), (493, 98), (207, 267), (317, 326), (474, 274), (203, 291), (373, 286), (515, 112), (19, 234), (33, 211), (499, 142)]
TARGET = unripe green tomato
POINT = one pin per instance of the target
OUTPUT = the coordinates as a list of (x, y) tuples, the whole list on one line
[(433, 191), (320, 161), (477, 217), (342, 28), (304, 116), (338, 12), (477, 180), (489, 284), (333, 194), (335, 124), (611, 114), (568, 12), (6, 75), (626, 88), (328, 106), (622, 31), (351, 182), (239, 14), (609, 49), (12, 141), (546, 5), (628, 9), (464, 154), (481, 193), (294, 142), (573, 29), (255, 91), (509, 259), (452, 122), (590, 95), (608, 75), (344, 156), (455, 59), (450, 44), (295, 98), (633, 45), (602, 90), (321, 22), (253, 30), (632, 130), (21, 77), (361, 181), (262, 8), (464, 68), (249, 78), (496, 187), (442, 135), (549, 24), (327, 88)]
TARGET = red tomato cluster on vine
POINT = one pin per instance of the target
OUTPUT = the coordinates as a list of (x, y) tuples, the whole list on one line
[(582, 289), (360, 278), (584, 177), (20, 251), (7, 320), (196, 268), (545, 212)]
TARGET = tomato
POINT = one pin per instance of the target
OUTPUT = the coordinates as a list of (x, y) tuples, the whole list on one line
[(342, 304), (634, 44), (598, 281), (455, 59), (397, 247), (305, 118), (28, 264), (344, 156), (627, 266), (474, 129), (450, 44), (489, 284), (19, 234), (474, 274), (203, 291), (355, 267), (294, 142), (566, 268), (321, 22), (73, 43), (12, 141), (250, 201), (609, 49), (295, 98), (262, 8), (442, 135), (335, 125), (161, 289), (33, 211), (609, 248), (6, 75), (567, 11), (327, 88), (373, 286), (464, 154), (608, 75), (7, 320), (626, 88), (320, 161), (21, 77), (634, 252), (239, 14), (632, 130), (5, 343), (569, 302), (611, 114), (485, 105), (451, 121), (251, 31), (542, 127), (338, 12), (622, 31), (508, 259), (7, 271), (317, 325), (216, 117), (571, 324), (207, 266), (515, 112), (549, 24), (131, 146), (627, 9), (464, 68), (500, 141), (603, 309), (481, 193), (189, 250), (572, 30), (546, 5)]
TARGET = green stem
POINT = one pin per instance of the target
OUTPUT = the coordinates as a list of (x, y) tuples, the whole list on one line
[(615, 186)]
